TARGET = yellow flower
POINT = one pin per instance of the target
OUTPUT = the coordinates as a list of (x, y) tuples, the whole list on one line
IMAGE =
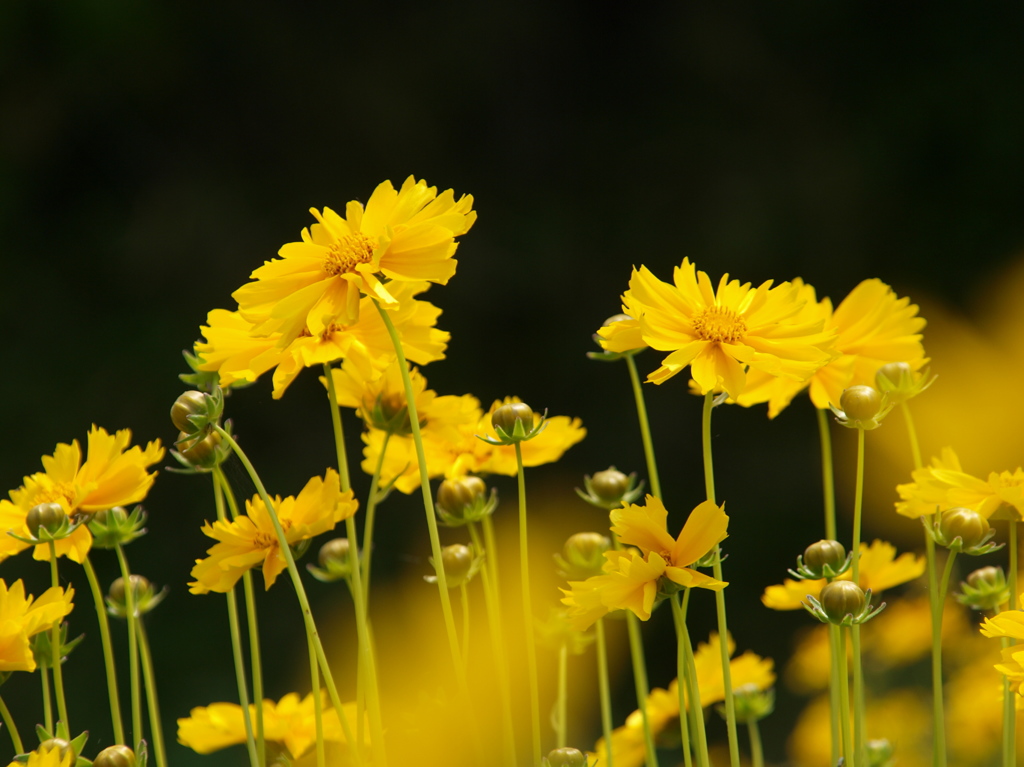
[(23, 617), (631, 579), (719, 334), (880, 569), (290, 722), (402, 236), (49, 757), (113, 475), (250, 541), (945, 485), (873, 328), (239, 353)]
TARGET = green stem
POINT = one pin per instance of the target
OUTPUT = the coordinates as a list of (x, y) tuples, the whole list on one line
[(859, 736), (44, 676), (562, 707), (492, 554), (645, 428), (682, 679), (108, 649), (844, 699), (1009, 710), (531, 645), (915, 449), (833, 693), (300, 591), (255, 661), (604, 691), (318, 705), (858, 504), (12, 728), (133, 646), (465, 623), (756, 749), (57, 649), (696, 707), (636, 653), (152, 699), (723, 631), (371, 515), (828, 482)]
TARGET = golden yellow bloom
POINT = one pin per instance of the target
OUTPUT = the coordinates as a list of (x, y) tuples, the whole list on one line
[(50, 757), (873, 328), (239, 353), (719, 334), (402, 235), (250, 540), (22, 617), (290, 722), (112, 475), (944, 485), (631, 578), (880, 569)]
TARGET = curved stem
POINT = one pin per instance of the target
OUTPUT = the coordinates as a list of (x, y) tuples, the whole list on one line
[(152, 699), (835, 705), (44, 677), (464, 594), (56, 648), (371, 515), (562, 706), (133, 646), (828, 483), (682, 679), (915, 449), (645, 427), (1009, 710), (531, 645), (604, 691), (643, 690), (108, 649), (318, 704), (844, 698), (8, 720), (858, 504), (859, 736), (756, 749)]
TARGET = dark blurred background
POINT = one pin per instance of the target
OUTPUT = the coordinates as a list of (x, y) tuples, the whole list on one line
[(153, 154)]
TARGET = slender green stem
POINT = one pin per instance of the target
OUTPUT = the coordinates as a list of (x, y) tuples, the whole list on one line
[(604, 691), (318, 705), (44, 677), (133, 646), (255, 661), (464, 593), (531, 644), (844, 699), (108, 649), (57, 649), (562, 706), (636, 654), (859, 736), (682, 679), (858, 505), (300, 591), (828, 482), (696, 707), (756, 749), (915, 449), (371, 514), (12, 728), (152, 699), (723, 631), (833, 693), (219, 485), (645, 427), (1009, 710), (492, 554)]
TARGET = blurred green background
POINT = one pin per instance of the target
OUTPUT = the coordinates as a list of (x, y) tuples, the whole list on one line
[(153, 154)]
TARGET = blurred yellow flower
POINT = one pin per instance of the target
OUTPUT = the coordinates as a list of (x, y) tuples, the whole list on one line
[(113, 474), (289, 722), (721, 333), (47, 757), (944, 485), (250, 540), (404, 235), (22, 617), (880, 569)]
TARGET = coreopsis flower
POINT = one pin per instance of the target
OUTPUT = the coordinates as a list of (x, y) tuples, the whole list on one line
[(113, 474), (22, 617), (239, 353), (289, 722), (879, 567), (722, 333), (250, 541), (632, 579), (872, 327), (401, 236), (944, 485), (52, 756)]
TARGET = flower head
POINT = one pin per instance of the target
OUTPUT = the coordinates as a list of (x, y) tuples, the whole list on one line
[(22, 617), (944, 485)]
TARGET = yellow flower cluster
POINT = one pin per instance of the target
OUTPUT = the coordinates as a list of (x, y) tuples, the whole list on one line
[(22, 617)]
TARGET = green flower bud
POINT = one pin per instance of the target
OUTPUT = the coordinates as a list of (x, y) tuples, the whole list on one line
[(114, 527), (200, 452), (463, 499), (969, 526), (860, 403), (987, 578), (583, 556), (752, 704), (49, 517), (879, 752), (189, 403), (458, 564), (567, 757), (115, 756), (506, 417), (144, 596), (985, 589), (842, 598), (825, 553), (60, 744), (335, 551), (610, 484)]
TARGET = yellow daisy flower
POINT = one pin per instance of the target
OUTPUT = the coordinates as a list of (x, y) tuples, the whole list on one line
[(880, 569), (235, 350), (720, 333), (289, 722), (22, 617), (250, 541), (112, 475), (401, 235), (944, 485), (47, 757), (631, 578)]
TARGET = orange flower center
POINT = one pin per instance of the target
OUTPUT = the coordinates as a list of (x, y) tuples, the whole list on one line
[(344, 255), (719, 324), (264, 540), (61, 491)]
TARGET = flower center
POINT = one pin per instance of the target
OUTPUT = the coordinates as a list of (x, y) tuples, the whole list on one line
[(344, 255), (264, 540), (61, 491), (719, 324)]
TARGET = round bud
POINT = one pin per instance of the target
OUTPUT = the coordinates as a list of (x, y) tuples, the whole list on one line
[(190, 403), (584, 552), (841, 598), (610, 484), (335, 550), (458, 561), (115, 756), (860, 403), (507, 415), (965, 524), (615, 318), (879, 752), (59, 744), (200, 452), (116, 515), (893, 373), (454, 496), (45, 516), (824, 552), (987, 578), (567, 757), (140, 586)]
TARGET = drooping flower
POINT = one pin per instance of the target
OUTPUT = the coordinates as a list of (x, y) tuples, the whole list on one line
[(401, 235), (250, 540), (113, 474), (721, 333), (631, 578), (944, 485), (22, 617)]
